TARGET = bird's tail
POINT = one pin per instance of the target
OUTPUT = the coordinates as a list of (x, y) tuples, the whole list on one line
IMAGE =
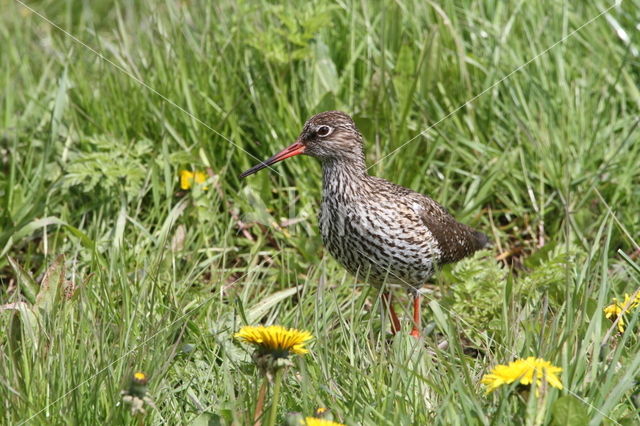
[(482, 241)]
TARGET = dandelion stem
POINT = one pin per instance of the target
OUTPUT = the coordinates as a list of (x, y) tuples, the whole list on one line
[(257, 415), (276, 397)]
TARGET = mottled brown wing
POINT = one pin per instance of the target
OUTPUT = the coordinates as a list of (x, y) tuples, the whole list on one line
[(456, 240)]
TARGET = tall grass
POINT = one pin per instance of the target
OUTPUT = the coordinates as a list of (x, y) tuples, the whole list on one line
[(159, 279)]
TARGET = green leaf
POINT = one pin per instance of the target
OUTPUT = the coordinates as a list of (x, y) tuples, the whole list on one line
[(27, 284), (207, 419), (481, 279), (23, 327), (60, 105), (325, 75), (404, 70), (103, 164), (569, 411), (51, 286), (30, 228), (627, 259), (262, 307)]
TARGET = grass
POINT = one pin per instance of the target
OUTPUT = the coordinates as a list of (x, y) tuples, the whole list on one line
[(159, 279)]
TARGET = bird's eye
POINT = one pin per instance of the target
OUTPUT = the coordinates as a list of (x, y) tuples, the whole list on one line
[(323, 131)]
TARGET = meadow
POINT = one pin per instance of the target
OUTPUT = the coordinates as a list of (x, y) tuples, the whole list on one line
[(522, 117)]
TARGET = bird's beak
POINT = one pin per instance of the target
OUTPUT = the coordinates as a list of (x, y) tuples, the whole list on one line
[(294, 149)]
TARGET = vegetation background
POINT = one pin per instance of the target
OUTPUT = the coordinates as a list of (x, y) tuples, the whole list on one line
[(107, 267)]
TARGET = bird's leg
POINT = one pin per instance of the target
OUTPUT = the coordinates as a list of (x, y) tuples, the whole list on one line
[(415, 331), (395, 322)]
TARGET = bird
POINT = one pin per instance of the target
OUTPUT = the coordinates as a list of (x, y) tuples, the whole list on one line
[(374, 228)]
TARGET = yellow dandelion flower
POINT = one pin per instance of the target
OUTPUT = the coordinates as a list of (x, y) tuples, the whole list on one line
[(275, 339), (524, 371), (614, 311), (187, 179), (634, 303), (313, 421), (139, 376)]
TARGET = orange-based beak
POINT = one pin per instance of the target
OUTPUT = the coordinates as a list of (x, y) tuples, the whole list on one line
[(295, 149)]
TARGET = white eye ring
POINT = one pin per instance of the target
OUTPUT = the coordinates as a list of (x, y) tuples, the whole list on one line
[(324, 131)]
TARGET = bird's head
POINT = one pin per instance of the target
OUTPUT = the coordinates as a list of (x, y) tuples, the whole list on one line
[(329, 136)]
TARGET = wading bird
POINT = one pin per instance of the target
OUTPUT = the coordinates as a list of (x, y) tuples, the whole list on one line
[(375, 228)]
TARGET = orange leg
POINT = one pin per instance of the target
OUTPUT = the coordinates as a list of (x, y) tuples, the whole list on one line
[(415, 332), (395, 322)]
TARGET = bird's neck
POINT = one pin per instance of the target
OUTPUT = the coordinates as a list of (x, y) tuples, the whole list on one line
[(343, 177)]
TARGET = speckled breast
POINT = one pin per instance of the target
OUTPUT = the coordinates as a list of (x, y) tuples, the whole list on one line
[(379, 243)]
